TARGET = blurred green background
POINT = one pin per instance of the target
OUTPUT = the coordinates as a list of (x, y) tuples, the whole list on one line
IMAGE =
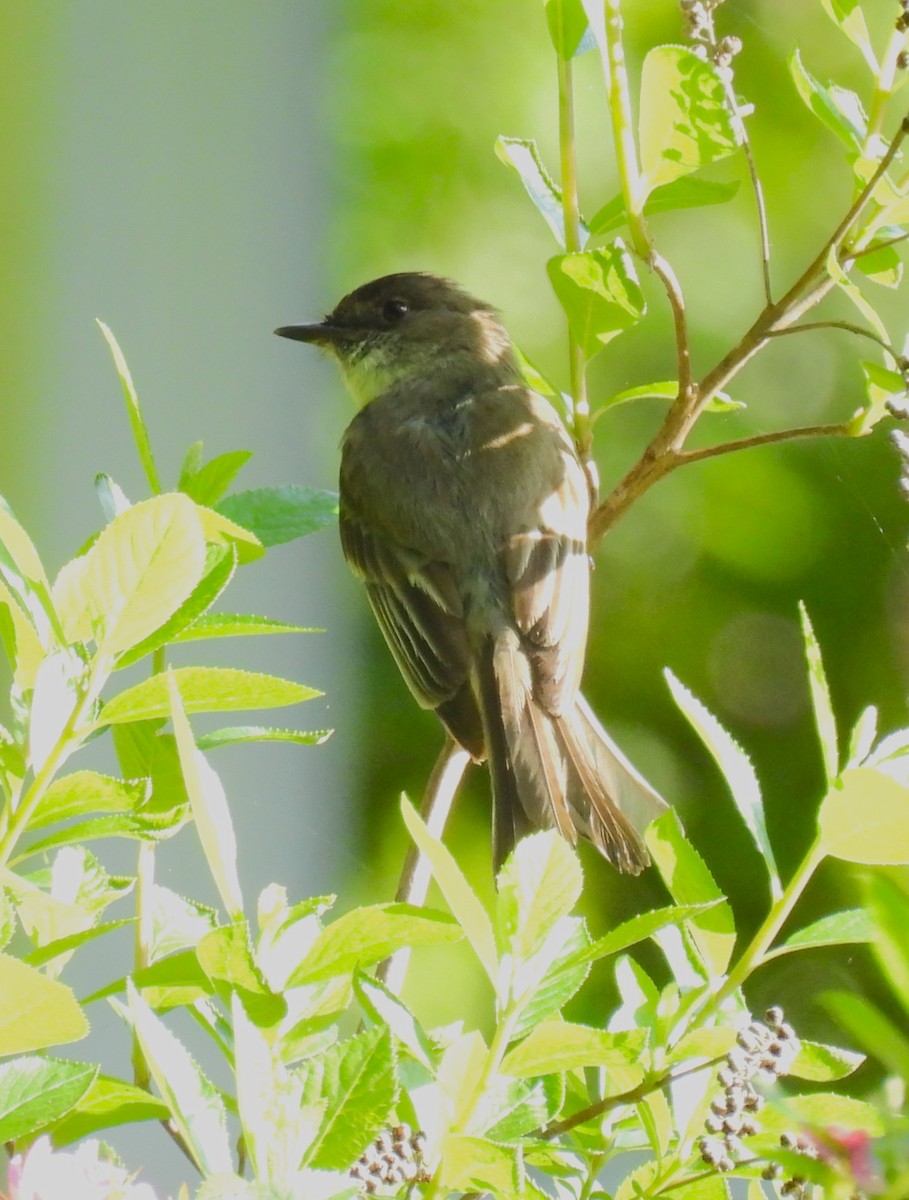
[(198, 174)]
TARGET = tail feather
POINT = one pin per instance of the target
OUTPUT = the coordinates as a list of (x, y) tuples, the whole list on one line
[(563, 772)]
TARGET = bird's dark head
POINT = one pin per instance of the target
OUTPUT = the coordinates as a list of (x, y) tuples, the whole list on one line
[(406, 326)]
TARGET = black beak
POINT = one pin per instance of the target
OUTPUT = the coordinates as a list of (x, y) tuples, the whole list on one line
[(306, 333)]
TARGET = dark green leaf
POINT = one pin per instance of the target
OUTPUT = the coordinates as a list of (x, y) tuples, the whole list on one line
[(34, 1092), (889, 910), (280, 514), (357, 1082), (206, 485), (872, 1029)]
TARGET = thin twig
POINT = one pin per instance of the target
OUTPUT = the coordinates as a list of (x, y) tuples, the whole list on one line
[(438, 798), (764, 439), (673, 288), (849, 327)]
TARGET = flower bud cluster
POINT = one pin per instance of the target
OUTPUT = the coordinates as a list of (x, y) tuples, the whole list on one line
[(395, 1157), (902, 24), (764, 1051), (699, 29)]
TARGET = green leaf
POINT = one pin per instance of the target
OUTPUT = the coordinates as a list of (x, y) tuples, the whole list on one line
[(555, 1046), (226, 957), (737, 770), (600, 293), (884, 388), (863, 737), (106, 1103), (136, 420), (357, 1082), (849, 16), (643, 926), (689, 882), (367, 935), (217, 625), (146, 827), (863, 819), (168, 983), (209, 808), (203, 689), (64, 945), (685, 120), (35, 1011), (196, 1107), (823, 1110), (472, 1164), (706, 1042), (111, 497), (382, 1007), (824, 1064), (280, 514), (239, 734), (836, 107), (87, 792), (539, 884), (207, 484), (511, 1108), (35, 1091), (556, 977), (838, 929), (459, 896), (567, 23), (883, 265), (889, 910), (221, 563), (143, 566), (872, 1029), (685, 192), (523, 155), (176, 922), (824, 720)]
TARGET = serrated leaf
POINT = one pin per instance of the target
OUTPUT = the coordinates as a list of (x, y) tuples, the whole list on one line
[(280, 514), (600, 293), (737, 770), (689, 882), (511, 1108), (218, 625), (147, 827), (824, 1064), (207, 484), (823, 1110), (64, 945), (357, 1082), (106, 1103), (239, 734), (639, 928), (824, 720), (837, 108), (562, 977), (367, 935), (35, 1011), (176, 922), (143, 566), (708, 1042), (220, 530), (472, 1164), (196, 1107), (459, 895), (209, 807), (221, 563), (523, 155), (539, 884), (863, 818), (837, 929), (227, 958), (685, 192), (555, 1046), (34, 1092), (203, 689), (863, 737), (382, 1007), (87, 792), (685, 120), (24, 649)]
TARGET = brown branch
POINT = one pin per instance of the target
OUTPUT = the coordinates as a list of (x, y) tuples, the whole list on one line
[(665, 450), (848, 327), (673, 288), (764, 439)]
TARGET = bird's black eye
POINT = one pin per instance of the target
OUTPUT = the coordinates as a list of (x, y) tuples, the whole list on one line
[(395, 310)]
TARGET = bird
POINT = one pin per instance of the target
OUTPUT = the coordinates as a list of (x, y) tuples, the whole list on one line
[(463, 510)]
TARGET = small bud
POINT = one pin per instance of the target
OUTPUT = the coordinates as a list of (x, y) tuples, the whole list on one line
[(772, 1171), (726, 1077), (789, 1141), (713, 1124), (902, 60), (774, 1016)]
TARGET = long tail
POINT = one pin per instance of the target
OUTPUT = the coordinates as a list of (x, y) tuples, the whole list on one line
[(563, 772)]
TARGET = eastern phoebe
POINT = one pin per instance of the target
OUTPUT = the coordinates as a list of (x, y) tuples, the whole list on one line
[(464, 511)]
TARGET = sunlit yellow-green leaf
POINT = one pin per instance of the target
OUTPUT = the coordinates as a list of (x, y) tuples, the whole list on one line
[(35, 1011), (865, 818)]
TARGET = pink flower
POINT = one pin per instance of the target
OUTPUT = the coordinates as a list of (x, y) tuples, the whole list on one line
[(850, 1148), (84, 1174)]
